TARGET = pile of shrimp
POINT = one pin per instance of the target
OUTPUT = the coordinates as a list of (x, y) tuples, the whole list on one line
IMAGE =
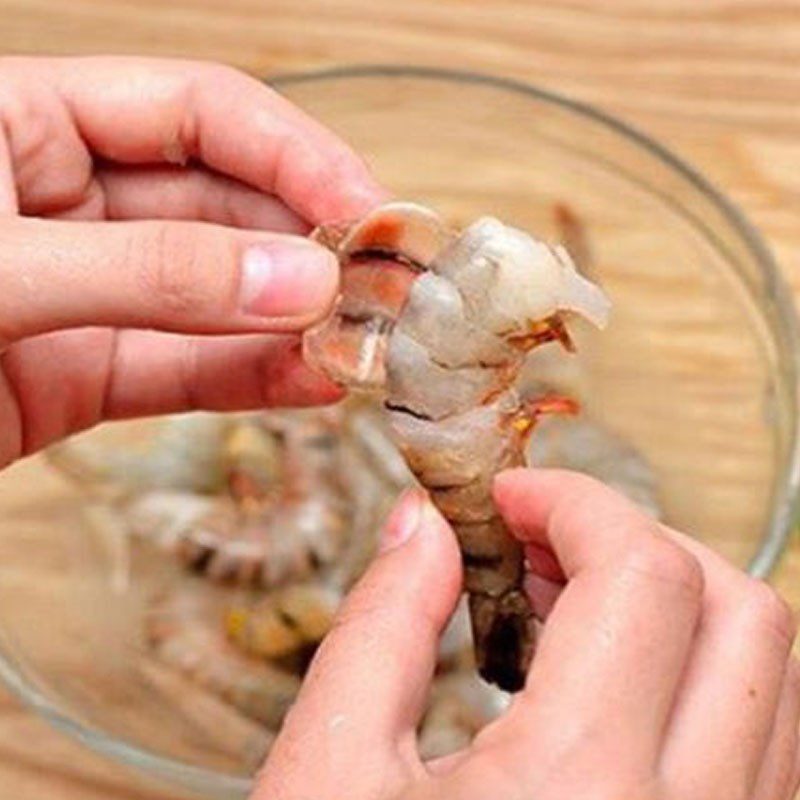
[(273, 516)]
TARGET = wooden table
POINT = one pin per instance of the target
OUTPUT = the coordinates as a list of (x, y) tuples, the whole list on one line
[(718, 81)]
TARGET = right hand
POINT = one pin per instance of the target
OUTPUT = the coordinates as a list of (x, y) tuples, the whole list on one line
[(663, 673)]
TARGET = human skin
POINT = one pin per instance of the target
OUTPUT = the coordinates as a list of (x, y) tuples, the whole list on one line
[(153, 260), (662, 672), (152, 248)]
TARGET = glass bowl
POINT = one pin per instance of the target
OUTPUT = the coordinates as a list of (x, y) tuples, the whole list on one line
[(698, 369)]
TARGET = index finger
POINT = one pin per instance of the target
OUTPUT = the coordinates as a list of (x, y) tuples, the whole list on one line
[(134, 111), (582, 522), (616, 643)]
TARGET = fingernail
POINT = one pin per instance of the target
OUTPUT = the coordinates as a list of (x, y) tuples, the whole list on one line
[(287, 279), (404, 521)]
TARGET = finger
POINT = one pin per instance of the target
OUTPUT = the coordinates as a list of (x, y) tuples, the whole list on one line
[(192, 194), (66, 382), (542, 562), (162, 373), (543, 594), (143, 111), (367, 685), (174, 276), (615, 645), (49, 164), (794, 784), (544, 580), (8, 192), (777, 770), (733, 682)]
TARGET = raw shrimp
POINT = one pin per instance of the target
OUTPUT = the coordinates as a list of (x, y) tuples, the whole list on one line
[(446, 347), (247, 500), (185, 629), (298, 616), (187, 454)]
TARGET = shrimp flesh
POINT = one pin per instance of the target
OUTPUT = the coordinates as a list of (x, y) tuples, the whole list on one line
[(445, 347)]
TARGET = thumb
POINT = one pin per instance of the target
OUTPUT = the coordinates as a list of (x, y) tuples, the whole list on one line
[(175, 276), (367, 685)]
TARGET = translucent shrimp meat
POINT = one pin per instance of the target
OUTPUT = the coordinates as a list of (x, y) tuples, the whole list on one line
[(446, 357)]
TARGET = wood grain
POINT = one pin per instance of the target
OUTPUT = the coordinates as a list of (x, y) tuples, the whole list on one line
[(718, 81)]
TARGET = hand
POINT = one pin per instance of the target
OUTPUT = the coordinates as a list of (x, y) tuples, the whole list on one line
[(663, 673), (87, 146)]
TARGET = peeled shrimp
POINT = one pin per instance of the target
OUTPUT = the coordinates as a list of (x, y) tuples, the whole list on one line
[(446, 348)]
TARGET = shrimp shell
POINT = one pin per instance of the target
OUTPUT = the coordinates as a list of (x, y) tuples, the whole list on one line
[(277, 513), (185, 629), (296, 617), (447, 360)]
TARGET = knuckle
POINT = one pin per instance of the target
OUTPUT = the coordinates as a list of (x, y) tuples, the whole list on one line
[(17, 106), (190, 83), (38, 131), (224, 79), (770, 611), (183, 267), (658, 559)]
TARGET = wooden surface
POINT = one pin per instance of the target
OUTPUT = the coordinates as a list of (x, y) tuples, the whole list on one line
[(716, 80)]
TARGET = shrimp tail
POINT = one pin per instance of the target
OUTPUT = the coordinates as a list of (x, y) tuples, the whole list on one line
[(503, 625), (502, 621), (504, 636)]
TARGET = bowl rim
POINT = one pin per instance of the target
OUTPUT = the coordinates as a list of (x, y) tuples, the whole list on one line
[(215, 784)]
